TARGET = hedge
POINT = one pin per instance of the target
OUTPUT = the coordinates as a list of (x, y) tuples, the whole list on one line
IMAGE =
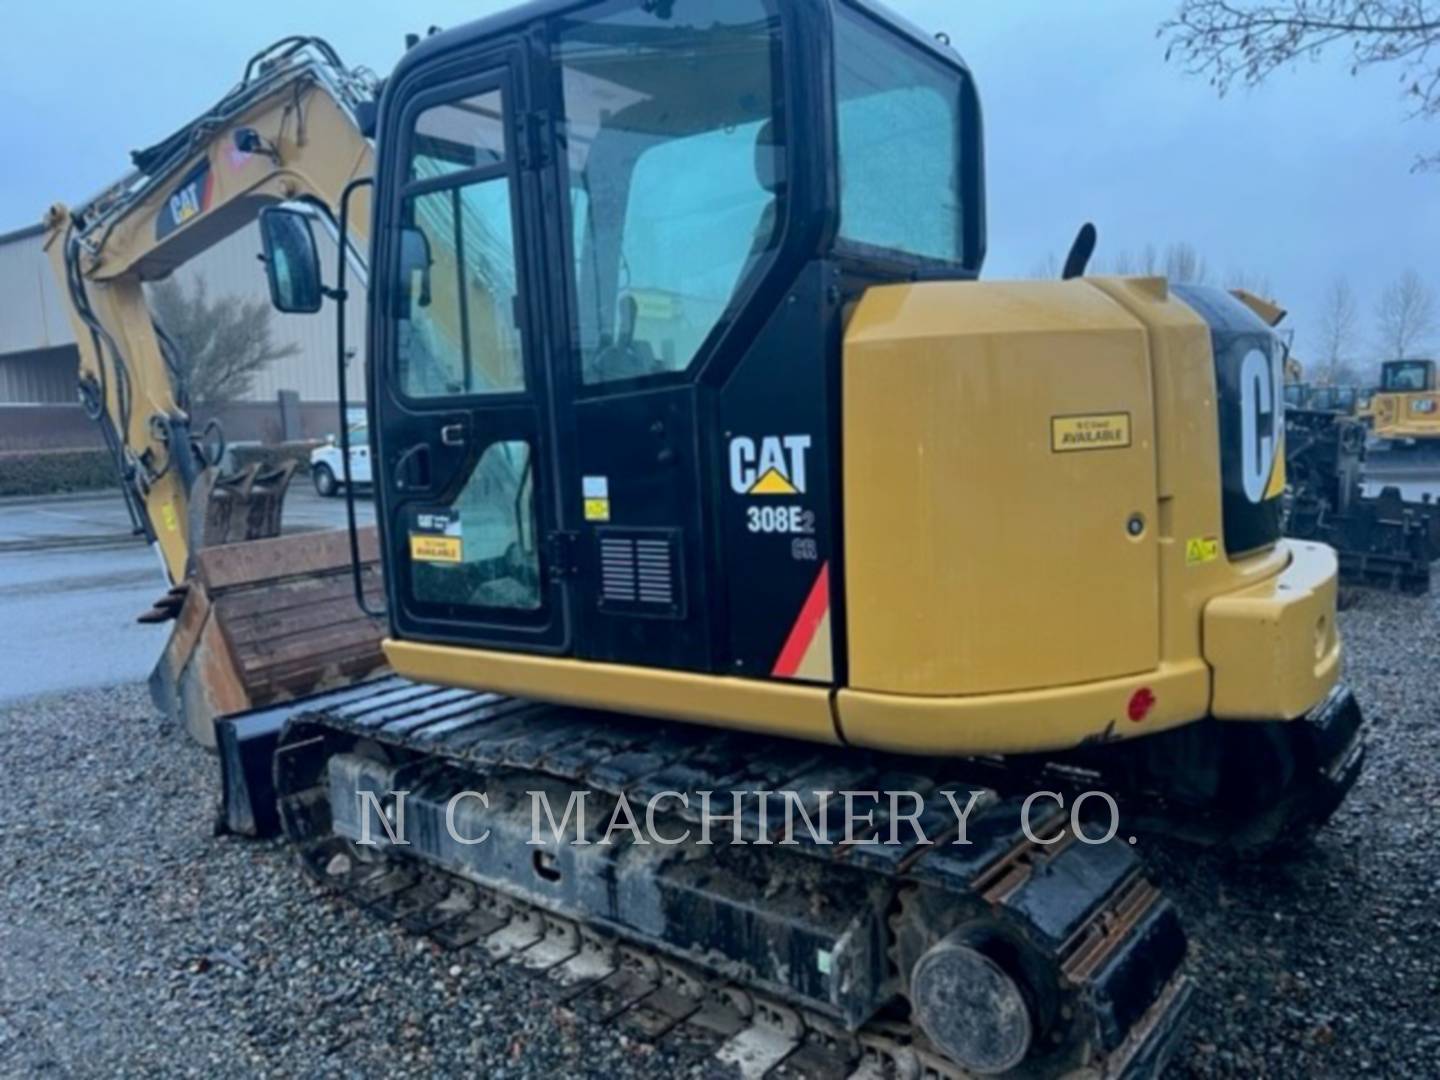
[(45, 472)]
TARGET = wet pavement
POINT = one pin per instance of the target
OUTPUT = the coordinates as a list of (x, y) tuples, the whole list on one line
[(73, 577)]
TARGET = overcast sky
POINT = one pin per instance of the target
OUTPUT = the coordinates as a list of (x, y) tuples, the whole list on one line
[(1301, 180)]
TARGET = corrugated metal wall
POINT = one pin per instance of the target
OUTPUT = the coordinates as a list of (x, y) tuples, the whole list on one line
[(34, 318), (44, 377), (232, 268)]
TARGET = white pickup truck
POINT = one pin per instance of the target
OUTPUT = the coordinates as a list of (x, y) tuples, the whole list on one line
[(327, 469)]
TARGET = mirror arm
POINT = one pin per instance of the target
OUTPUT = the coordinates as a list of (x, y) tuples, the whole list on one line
[(339, 294)]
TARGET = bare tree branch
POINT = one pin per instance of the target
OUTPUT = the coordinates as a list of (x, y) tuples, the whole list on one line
[(1047, 268), (1230, 41), (223, 345), (1186, 265), (1406, 318), (1338, 328), (1180, 262), (1259, 284)]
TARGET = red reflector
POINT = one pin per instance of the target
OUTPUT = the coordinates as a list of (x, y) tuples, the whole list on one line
[(1141, 702)]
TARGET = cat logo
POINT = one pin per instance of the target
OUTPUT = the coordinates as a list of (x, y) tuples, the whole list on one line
[(185, 204), (1262, 427), (775, 467), (191, 198)]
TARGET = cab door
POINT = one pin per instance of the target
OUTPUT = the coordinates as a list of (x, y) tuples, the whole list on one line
[(465, 477)]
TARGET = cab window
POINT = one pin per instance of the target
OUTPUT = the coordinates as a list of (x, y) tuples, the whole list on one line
[(458, 331), (677, 167), (1406, 376), (899, 117)]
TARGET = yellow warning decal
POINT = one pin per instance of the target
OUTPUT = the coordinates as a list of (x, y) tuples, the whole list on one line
[(597, 509), (773, 482), (441, 549), (1201, 549), (1095, 431), (167, 515), (659, 306)]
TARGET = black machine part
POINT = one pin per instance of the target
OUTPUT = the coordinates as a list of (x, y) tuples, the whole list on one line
[(1382, 540)]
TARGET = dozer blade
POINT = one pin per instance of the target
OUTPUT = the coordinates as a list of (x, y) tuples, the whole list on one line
[(267, 621)]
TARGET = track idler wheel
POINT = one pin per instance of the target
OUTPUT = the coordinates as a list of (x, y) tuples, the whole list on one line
[(970, 1006)]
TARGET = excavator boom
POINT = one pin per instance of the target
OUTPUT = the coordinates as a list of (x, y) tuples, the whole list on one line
[(289, 132)]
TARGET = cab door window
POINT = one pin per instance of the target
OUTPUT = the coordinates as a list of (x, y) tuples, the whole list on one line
[(459, 335), (482, 550), (458, 330)]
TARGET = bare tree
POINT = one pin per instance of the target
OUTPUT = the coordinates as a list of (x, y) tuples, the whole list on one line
[(1338, 329), (1406, 318), (1048, 267), (1123, 263), (221, 345), (1184, 264), (1259, 284), (1179, 262), (1244, 41)]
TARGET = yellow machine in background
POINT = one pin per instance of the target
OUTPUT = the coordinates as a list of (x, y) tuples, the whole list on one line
[(1382, 540), (1405, 408)]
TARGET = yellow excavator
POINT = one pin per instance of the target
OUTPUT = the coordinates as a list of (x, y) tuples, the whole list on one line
[(708, 470), (1404, 411)]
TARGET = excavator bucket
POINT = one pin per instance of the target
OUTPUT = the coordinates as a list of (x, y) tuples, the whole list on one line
[(243, 507), (265, 621)]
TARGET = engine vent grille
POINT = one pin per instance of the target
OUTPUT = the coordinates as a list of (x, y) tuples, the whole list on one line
[(640, 572)]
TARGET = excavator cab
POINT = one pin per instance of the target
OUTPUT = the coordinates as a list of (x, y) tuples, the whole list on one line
[(686, 401), (614, 249)]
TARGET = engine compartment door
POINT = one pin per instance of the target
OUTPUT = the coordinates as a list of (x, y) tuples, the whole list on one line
[(1000, 489)]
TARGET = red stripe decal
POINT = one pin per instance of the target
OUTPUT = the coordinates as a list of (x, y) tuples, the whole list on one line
[(803, 632)]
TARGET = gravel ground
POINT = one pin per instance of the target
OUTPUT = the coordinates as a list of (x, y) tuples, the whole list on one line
[(1329, 964), (137, 943)]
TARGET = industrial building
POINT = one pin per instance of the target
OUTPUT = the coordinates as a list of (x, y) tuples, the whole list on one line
[(294, 397)]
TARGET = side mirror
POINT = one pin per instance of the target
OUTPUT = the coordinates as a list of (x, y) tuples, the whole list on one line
[(414, 259), (292, 261)]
